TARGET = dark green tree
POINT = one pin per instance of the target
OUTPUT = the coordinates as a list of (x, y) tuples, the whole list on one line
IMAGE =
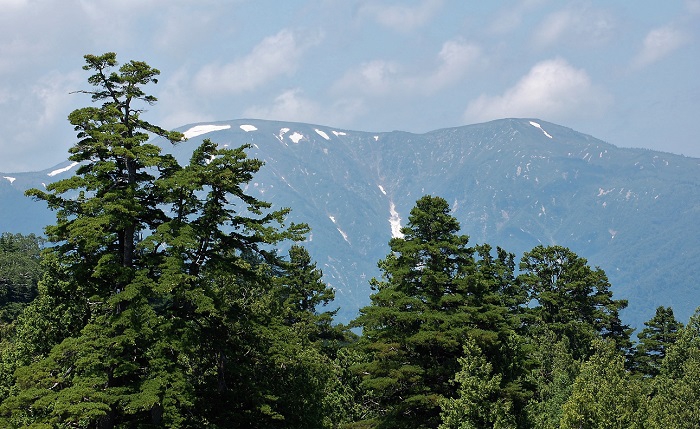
[(159, 293), (480, 402), (571, 299), (676, 402), (660, 332), (552, 378), (20, 271), (304, 296), (604, 395), (431, 298)]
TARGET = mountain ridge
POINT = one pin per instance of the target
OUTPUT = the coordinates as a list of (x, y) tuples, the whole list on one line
[(512, 182)]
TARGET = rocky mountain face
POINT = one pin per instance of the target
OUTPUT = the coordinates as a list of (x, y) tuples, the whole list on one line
[(513, 183)]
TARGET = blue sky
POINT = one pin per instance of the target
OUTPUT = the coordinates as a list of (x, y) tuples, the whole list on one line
[(625, 72)]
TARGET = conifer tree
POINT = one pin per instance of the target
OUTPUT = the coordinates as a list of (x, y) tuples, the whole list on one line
[(304, 295), (552, 379), (659, 334), (20, 272), (480, 402), (432, 296), (159, 284), (571, 299), (676, 403), (604, 395)]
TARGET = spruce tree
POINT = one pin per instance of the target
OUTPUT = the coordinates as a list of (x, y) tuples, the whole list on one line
[(660, 332), (676, 403), (551, 378), (431, 298)]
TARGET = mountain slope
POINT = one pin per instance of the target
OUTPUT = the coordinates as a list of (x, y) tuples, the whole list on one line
[(513, 183)]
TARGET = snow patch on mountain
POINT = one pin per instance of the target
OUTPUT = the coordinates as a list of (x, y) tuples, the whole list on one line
[(296, 137), (198, 130), (248, 128), (62, 170), (536, 125), (345, 236), (394, 221), (322, 134), (11, 179), (339, 133)]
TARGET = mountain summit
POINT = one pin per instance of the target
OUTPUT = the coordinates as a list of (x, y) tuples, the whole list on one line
[(513, 183)]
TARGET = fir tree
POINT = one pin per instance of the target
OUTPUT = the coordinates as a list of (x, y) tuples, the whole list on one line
[(20, 271), (432, 297), (659, 334)]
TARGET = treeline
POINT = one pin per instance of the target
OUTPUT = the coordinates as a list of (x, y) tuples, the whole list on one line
[(163, 302)]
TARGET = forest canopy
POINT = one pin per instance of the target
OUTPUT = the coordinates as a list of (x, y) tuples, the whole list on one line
[(159, 298)]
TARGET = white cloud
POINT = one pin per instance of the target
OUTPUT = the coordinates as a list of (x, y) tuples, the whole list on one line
[(456, 58), (274, 56), (52, 94), (552, 90), (177, 104), (377, 78), (400, 17), (292, 105), (693, 6), (658, 43), (380, 78), (13, 3), (511, 16), (578, 23)]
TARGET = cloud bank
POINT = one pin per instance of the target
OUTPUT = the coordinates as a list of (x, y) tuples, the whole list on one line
[(659, 43), (552, 89), (274, 56), (400, 17)]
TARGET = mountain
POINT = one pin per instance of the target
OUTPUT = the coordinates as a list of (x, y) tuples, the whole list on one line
[(514, 183)]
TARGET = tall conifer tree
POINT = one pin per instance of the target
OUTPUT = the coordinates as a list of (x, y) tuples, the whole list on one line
[(159, 285), (660, 332), (431, 298), (571, 299)]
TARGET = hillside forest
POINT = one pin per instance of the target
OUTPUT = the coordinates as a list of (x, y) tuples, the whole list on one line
[(160, 297)]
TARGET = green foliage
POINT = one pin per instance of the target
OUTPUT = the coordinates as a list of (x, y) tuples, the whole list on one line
[(676, 403), (604, 395), (659, 334), (161, 304), (479, 402), (552, 379), (20, 272), (571, 299), (302, 293), (433, 296)]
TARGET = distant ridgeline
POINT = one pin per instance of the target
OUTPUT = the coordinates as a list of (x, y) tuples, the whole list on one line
[(513, 183)]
